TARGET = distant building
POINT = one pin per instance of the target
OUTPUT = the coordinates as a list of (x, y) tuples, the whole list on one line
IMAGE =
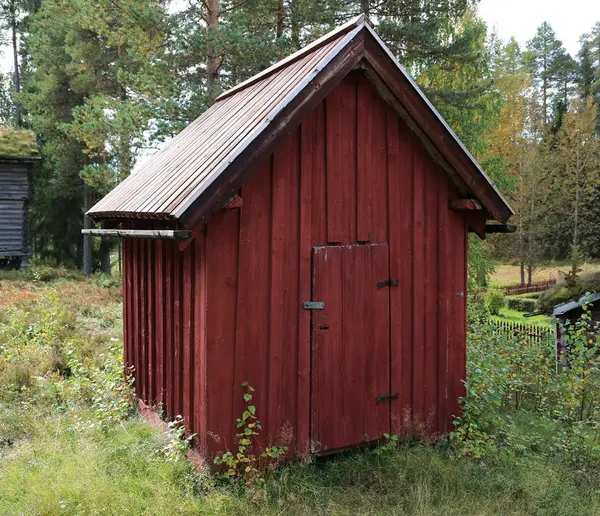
[(570, 312), (17, 155)]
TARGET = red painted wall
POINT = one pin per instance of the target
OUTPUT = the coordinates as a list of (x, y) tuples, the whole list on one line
[(228, 308)]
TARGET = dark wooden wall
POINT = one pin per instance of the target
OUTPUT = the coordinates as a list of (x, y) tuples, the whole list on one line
[(352, 173), (14, 193)]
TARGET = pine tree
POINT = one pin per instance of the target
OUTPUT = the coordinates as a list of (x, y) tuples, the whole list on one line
[(543, 58)]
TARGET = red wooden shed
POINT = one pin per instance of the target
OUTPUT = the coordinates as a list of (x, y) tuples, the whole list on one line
[(307, 234)]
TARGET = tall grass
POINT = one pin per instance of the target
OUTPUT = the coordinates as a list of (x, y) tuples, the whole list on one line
[(71, 442)]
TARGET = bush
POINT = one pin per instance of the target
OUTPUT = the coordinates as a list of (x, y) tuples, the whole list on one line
[(522, 304), (494, 301)]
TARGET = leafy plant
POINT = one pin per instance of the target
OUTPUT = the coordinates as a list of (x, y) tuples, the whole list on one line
[(495, 301), (178, 443), (246, 466)]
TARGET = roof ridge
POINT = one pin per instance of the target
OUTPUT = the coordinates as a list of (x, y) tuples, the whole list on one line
[(359, 20)]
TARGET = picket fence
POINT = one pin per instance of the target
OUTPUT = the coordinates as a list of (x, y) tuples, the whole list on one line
[(531, 333)]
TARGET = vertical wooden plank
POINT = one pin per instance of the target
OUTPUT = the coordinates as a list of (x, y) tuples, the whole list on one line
[(169, 343), (285, 303), (222, 244), (312, 154), (444, 274), (159, 308), (341, 162), (371, 164), (401, 200), (379, 170), (252, 325), (430, 290), (143, 321), (314, 160), (327, 354), (458, 235), (177, 330), (355, 359), (150, 314), (199, 344), (418, 294), (364, 158), (376, 341), (135, 308), (126, 282), (187, 386)]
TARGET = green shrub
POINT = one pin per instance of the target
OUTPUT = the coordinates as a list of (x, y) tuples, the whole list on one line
[(494, 301), (522, 304)]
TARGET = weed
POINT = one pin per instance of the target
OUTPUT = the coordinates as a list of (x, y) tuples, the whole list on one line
[(245, 467)]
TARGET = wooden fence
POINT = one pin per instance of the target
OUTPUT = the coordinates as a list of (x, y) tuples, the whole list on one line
[(532, 333), (538, 286)]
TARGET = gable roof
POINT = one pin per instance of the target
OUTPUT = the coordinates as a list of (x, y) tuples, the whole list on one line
[(203, 166)]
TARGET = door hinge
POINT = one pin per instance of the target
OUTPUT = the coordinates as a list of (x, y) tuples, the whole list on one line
[(391, 282), (388, 396), (313, 305)]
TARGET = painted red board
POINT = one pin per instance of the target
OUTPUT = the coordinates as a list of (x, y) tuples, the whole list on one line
[(178, 279), (222, 244), (159, 308), (444, 320), (252, 325), (284, 291), (430, 290), (351, 357), (418, 295), (312, 162), (371, 169), (314, 167), (189, 263), (151, 342), (199, 343), (341, 163), (168, 340), (400, 181)]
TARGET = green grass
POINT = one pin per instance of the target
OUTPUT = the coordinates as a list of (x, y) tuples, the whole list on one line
[(66, 448), (507, 314)]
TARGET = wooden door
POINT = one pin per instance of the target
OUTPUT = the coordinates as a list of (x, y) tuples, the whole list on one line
[(350, 346)]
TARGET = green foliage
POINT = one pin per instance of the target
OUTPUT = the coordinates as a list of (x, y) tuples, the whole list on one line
[(178, 442), (495, 301), (521, 304), (510, 374), (17, 143), (245, 467)]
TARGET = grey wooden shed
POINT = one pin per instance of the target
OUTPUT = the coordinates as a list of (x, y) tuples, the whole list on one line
[(15, 194)]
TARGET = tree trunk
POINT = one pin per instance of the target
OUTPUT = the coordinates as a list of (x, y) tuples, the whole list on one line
[(213, 56), (295, 25), (577, 195), (87, 239), (280, 19), (365, 7), (17, 75), (105, 256), (531, 227), (521, 229)]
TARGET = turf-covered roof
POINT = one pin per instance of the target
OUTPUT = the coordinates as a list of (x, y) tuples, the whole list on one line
[(17, 143)]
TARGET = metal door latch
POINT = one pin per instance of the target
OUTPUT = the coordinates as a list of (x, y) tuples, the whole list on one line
[(391, 282), (313, 305), (388, 396)]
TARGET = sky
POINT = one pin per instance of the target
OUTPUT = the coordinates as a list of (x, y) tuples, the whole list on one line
[(520, 18)]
